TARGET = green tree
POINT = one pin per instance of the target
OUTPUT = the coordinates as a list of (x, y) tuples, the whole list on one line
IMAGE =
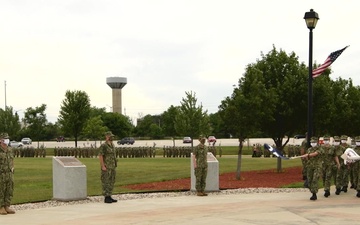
[(74, 113), (243, 112), (286, 79), (271, 98), (217, 126), (120, 125), (168, 121), (51, 132), (143, 127), (94, 128), (353, 99), (323, 105), (344, 118), (191, 120), (35, 122), (9, 122), (155, 131), (94, 111)]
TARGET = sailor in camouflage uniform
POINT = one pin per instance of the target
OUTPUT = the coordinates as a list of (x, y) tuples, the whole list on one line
[(342, 176), (200, 166), (6, 175), (330, 162), (352, 166), (314, 156), (357, 167), (108, 163)]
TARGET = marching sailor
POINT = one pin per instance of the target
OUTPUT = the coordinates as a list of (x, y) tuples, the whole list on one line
[(357, 168), (342, 176), (314, 164), (330, 165)]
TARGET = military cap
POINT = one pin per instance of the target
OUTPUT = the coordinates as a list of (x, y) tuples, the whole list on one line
[(4, 135), (344, 137), (326, 137), (357, 138), (109, 134), (336, 138), (314, 140)]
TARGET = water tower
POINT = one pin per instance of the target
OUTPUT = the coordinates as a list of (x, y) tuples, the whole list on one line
[(116, 84)]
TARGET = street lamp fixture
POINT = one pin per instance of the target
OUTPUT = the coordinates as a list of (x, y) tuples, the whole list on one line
[(311, 19)]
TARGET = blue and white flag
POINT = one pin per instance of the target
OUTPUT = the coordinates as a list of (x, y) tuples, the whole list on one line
[(275, 152)]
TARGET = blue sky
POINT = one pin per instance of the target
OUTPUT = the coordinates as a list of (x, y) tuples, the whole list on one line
[(162, 47)]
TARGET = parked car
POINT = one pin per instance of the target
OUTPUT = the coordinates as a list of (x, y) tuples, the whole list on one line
[(187, 140), (26, 141), (16, 144), (211, 139), (298, 136), (126, 140)]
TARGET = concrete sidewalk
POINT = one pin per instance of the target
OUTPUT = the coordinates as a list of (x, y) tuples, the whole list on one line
[(252, 208)]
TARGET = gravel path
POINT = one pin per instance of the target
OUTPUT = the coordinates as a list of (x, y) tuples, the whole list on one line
[(124, 197)]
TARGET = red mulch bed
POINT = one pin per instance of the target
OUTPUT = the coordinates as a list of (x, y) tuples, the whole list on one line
[(249, 179)]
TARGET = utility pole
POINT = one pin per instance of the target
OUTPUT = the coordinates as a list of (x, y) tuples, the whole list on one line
[(5, 94)]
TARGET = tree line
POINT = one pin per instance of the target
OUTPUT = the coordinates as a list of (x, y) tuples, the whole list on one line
[(270, 100)]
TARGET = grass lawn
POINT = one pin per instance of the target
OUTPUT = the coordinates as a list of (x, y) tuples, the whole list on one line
[(33, 176)]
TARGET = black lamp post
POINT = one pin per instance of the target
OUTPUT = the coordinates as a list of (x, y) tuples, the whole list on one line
[(311, 19)]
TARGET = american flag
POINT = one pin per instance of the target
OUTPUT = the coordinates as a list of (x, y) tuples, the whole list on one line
[(329, 60)]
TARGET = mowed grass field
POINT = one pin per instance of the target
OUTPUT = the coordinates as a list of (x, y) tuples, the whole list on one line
[(34, 176)]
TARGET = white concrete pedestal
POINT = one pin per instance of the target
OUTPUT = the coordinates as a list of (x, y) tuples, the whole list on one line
[(212, 178), (69, 179)]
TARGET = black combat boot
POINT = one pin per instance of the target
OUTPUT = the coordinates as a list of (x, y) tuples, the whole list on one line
[(344, 189), (108, 199), (327, 193), (113, 200), (313, 197), (338, 190)]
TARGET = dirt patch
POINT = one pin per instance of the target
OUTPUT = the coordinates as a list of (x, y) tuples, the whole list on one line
[(249, 179)]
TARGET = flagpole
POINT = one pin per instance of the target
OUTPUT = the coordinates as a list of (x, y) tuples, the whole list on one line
[(311, 19)]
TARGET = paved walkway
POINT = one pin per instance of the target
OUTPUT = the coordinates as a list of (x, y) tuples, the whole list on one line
[(254, 208)]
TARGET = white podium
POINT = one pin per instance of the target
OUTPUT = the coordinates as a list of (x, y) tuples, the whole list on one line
[(212, 178)]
